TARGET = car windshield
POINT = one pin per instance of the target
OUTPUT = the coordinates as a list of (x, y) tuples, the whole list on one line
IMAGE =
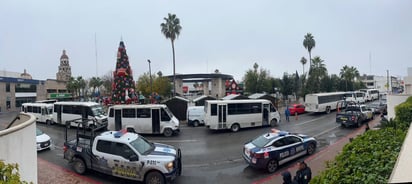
[(38, 132), (168, 112), (261, 141), (142, 145), (98, 110)]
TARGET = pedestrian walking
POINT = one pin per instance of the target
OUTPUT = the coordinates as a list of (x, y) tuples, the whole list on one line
[(303, 174), (287, 177), (287, 113)]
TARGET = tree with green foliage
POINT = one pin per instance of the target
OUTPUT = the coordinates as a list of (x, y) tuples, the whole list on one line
[(349, 74), (257, 80), (309, 43), (303, 61), (317, 72), (123, 87), (161, 85), (171, 30), (9, 173), (95, 83)]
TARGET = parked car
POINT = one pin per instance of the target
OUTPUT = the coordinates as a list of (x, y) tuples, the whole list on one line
[(297, 109), (275, 148), (195, 115), (378, 107), (43, 140)]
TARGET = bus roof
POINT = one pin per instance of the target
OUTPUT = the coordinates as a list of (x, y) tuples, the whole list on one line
[(326, 94), (237, 101), (38, 104), (138, 106), (77, 103)]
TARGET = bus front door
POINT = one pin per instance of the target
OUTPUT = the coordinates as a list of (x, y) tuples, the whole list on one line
[(155, 121), (117, 119), (266, 110), (222, 116)]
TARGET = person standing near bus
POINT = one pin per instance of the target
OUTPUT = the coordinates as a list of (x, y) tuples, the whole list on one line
[(287, 113)]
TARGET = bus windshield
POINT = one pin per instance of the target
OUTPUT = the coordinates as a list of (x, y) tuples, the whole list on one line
[(168, 112), (49, 110), (98, 110)]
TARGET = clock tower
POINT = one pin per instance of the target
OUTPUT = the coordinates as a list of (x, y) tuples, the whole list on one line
[(65, 71)]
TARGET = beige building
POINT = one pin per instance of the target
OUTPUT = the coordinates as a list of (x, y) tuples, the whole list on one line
[(65, 71)]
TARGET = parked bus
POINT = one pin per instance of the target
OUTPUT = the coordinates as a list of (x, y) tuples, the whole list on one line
[(371, 94), (65, 111), (43, 112), (236, 114), (146, 119), (355, 96), (323, 102)]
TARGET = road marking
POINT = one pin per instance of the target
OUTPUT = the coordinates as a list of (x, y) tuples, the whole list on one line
[(325, 131), (311, 120)]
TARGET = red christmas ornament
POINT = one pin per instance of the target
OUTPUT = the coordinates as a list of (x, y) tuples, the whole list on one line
[(121, 72)]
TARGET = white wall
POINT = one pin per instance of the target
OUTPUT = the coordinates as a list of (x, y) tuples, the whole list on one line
[(18, 145), (394, 100)]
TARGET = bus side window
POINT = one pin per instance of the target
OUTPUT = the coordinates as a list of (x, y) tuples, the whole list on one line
[(111, 112), (213, 109), (43, 111), (164, 116)]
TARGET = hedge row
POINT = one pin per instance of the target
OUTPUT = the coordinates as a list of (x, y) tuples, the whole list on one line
[(370, 157)]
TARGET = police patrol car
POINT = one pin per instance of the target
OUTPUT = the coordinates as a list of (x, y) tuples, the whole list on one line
[(124, 154), (272, 149)]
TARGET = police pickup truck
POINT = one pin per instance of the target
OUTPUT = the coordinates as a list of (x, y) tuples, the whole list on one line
[(123, 154), (354, 115)]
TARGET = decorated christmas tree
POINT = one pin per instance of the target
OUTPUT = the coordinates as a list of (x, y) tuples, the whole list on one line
[(123, 84)]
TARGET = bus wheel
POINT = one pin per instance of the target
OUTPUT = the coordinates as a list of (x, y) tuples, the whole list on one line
[(273, 122), (79, 166), (168, 132), (196, 123), (235, 127), (154, 178), (48, 122), (327, 110)]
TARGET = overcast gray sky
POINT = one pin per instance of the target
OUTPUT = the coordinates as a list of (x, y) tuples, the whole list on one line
[(371, 35)]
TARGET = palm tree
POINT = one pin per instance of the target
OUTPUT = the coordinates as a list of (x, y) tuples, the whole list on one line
[(95, 82), (81, 85), (349, 74), (309, 43), (303, 61), (318, 71), (171, 30)]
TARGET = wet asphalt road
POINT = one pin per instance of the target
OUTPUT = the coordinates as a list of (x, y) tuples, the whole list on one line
[(212, 156)]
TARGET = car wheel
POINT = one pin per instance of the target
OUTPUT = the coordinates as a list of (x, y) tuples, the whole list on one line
[(272, 166), (79, 166), (273, 122), (311, 148), (154, 178), (168, 132), (196, 123), (235, 127)]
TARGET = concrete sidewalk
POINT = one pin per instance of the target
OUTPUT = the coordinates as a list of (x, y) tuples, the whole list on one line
[(317, 162)]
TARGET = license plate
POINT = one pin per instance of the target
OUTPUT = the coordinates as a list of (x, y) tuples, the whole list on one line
[(343, 118)]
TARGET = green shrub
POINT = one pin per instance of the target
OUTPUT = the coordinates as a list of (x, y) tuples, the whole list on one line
[(9, 173), (367, 159)]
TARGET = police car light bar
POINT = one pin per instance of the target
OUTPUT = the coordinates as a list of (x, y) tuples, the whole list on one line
[(120, 133), (274, 130)]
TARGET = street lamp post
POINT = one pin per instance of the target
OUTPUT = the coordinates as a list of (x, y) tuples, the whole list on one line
[(150, 74)]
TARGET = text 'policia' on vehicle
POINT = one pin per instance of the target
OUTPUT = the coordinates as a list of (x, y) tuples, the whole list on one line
[(275, 148), (123, 154)]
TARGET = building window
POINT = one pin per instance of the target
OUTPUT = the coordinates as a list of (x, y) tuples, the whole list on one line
[(51, 91), (7, 87), (25, 88)]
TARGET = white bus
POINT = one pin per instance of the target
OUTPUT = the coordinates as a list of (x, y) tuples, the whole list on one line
[(355, 96), (236, 114), (323, 102), (146, 119), (67, 111), (371, 94), (43, 112)]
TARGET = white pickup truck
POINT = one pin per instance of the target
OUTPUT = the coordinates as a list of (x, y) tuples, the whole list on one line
[(123, 154)]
